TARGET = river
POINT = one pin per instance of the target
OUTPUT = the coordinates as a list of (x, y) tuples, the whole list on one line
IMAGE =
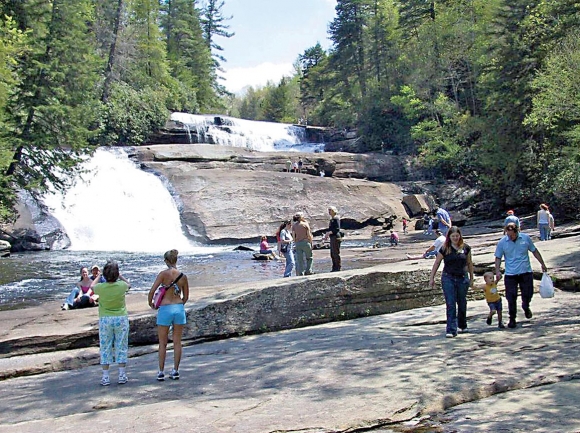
[(33, 278)]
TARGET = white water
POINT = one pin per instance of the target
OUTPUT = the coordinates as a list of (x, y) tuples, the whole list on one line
[(115, 206), (260, 136)]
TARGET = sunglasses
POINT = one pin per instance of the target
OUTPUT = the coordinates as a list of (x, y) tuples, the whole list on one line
[(511, 229)]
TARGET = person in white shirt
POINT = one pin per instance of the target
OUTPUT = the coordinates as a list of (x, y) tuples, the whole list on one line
[(432, 251)]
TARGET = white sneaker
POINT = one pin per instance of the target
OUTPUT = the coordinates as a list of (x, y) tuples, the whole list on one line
[(105, 381), (122, 379), (449, 335)]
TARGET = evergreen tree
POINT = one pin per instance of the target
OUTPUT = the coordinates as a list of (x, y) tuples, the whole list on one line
[(312, 84), (12, 42), (189, 55), (212, 22), (52, 105)]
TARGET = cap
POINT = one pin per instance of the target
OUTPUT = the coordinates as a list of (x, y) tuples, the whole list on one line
[(95, 266), (510, 212)]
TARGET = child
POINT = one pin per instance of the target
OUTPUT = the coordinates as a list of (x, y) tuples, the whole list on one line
[(493, 299), (405, 226), (394, 238)]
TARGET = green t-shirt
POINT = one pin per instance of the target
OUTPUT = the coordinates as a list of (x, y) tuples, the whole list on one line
[(112, 298)]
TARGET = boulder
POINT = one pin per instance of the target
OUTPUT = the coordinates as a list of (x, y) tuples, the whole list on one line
[(5, 248), (35, 229), (417, 204)]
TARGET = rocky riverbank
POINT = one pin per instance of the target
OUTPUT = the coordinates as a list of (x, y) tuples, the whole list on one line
[(393, 372)]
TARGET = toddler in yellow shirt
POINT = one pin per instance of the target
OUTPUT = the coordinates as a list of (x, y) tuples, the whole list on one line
[(493, 298)]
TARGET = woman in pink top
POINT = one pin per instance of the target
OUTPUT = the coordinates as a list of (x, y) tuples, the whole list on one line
[(82, 295), (265, 248)]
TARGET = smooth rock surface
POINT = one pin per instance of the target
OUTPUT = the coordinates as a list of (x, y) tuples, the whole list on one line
[(233, 194)]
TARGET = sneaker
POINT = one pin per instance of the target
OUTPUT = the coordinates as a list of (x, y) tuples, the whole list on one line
[(463, 331), (64, 307), (512, 324), (528, 313), (122, 379), (488, 321), (105, 381), (500, 325), (160, 376), (449, 335), (174, 375)]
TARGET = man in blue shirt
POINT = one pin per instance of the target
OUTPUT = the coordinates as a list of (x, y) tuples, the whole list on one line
[(444, 219), (511, 218), (514, 246)]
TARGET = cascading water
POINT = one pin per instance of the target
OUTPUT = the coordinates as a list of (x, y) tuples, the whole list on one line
[(260, 136), (115, 206)]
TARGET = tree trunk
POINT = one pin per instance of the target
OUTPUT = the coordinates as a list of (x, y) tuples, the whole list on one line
[(112, 51)]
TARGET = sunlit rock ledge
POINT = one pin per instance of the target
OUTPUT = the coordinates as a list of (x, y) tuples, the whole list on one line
[(305, 301), (234, 194)]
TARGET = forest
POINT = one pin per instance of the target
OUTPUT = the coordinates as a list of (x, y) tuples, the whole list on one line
[(484, 91)]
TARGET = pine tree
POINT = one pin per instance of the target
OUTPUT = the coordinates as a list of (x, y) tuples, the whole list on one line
[(188, 53), (53, 104), (212, 23)]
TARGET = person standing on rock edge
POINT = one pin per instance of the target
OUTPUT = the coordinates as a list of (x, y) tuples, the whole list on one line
[(288, 166), (455, 281), (443, 218), (113, 321), (333, 234), (171, 312), (303, 243), (514, 247), (405, 222), (287, 247)]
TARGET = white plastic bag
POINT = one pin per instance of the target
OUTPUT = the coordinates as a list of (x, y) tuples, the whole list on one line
[(546, 286)]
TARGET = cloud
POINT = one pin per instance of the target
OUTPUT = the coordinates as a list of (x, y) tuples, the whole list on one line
[(256, 76)]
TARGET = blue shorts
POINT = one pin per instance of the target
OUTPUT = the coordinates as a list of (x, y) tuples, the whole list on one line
[(495, 306), (172, 314)]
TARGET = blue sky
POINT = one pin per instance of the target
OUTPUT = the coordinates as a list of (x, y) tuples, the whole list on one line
[(270, 35)]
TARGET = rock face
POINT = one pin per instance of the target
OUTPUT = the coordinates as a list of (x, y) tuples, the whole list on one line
[(231, 194), (35, 228)]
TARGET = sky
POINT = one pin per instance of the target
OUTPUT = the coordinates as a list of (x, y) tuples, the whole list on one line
[(269, 37)]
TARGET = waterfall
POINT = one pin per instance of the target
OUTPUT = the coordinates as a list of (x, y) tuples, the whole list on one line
[(115, 206), (260, 136)]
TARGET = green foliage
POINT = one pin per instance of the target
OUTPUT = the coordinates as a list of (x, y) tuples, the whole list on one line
[(130, 115), (556, 105), (278, 104), (52, 104), (189, 55)]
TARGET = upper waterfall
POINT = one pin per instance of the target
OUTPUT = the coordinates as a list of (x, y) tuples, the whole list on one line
[(260, 136), (115, 206)]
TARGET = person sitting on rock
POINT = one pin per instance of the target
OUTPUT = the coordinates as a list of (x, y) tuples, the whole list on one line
[(431, 252), (266, 249), (82, 295)]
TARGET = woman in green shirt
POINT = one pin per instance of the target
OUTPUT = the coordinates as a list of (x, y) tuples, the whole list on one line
[(113, 321)]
